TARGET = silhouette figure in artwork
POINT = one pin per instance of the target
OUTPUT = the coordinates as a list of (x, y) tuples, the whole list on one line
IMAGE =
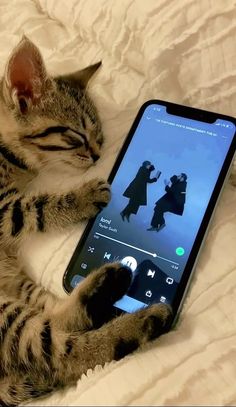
[(173, 201), (137, 190)]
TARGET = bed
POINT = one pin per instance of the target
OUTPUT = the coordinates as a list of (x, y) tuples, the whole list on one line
[(177, 50)]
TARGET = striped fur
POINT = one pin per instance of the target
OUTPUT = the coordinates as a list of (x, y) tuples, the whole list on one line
[(46, 343)]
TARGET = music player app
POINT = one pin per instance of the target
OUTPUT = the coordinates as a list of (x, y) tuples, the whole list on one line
[(159, 197)]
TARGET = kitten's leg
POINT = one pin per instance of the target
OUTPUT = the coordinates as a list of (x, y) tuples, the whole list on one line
[(114, 340), (91, 303), (51, 357), (22, 214), (15, 283)]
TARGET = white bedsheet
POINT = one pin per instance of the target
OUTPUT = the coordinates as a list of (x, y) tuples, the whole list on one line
[(178, 50)]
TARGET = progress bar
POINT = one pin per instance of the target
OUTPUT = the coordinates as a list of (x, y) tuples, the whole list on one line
[(136, 248)]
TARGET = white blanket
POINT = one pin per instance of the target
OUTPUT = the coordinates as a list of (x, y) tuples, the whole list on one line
[(176, 50)]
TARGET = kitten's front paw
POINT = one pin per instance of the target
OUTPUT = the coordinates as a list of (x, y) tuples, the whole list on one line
[(157, 319), (97, 195), (101, 289)]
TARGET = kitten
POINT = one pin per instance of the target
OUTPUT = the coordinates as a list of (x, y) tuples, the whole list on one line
[(46, 343)]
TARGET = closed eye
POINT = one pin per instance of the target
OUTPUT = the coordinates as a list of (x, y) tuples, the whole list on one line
[(77, 141), (73, 141), (45, 133), (51, 147)]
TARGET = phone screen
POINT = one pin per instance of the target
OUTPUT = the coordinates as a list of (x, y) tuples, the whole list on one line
[(160, 193)]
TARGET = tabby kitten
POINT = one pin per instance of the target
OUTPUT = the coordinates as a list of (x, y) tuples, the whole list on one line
[(46, 343)]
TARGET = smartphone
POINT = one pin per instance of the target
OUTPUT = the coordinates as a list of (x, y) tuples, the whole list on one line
[(156, 225)]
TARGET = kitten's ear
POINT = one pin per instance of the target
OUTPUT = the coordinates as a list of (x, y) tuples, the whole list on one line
[(82, 77), (25, 75)]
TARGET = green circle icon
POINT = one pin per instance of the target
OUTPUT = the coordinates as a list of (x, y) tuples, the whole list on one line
[(180, 251)]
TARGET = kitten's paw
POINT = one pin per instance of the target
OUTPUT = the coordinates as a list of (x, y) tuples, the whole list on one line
[(101, 289), (97, 195), (141, 327), (156, 320)]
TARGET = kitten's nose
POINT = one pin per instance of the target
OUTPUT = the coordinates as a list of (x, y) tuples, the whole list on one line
[(95, 157)]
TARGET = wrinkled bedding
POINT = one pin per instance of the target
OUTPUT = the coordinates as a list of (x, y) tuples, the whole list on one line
[(177, 50)]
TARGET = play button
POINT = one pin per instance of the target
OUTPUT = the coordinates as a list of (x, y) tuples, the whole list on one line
[(129, 262)]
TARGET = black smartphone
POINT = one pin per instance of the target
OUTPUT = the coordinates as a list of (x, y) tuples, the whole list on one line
[(156, 224)]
